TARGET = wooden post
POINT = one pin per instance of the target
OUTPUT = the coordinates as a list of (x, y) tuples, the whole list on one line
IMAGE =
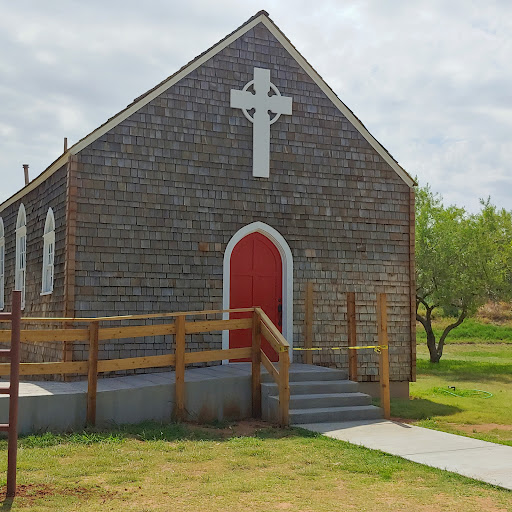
[(382, 330), (352, 335), (284, 388), (308, 323), (92, 373), (180, 369), (14, 383), (256, 365)]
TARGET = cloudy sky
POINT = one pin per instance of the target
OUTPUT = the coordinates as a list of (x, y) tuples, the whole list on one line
[(430, 79)]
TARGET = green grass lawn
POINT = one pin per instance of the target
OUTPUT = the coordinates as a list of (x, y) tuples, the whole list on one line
[(470, 331), (467, 364), (154, 467)]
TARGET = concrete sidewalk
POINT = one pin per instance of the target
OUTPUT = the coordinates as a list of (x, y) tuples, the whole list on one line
[(487, 462)]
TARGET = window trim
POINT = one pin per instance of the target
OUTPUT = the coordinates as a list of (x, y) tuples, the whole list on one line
[(21, 249), (48, 243)]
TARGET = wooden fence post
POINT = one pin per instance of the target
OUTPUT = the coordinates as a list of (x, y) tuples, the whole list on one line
[(14, 384), (352, 335), (284, 388), (382, 330), (180, 369), (308, 323), (92, 373), (256, 365)]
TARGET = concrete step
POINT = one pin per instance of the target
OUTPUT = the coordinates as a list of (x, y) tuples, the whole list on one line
[(330, 414), (322, 400), (322, 374), (311, 387)]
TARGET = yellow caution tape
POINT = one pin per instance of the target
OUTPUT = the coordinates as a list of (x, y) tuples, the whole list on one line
[(376, 348)]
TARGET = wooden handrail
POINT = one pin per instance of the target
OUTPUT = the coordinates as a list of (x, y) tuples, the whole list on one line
[(281, 376), (129, 317), (276, 333)]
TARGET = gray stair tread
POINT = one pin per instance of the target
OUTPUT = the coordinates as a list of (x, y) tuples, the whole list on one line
[(309, 376), (349, 408), (317, 396), (345, 382)]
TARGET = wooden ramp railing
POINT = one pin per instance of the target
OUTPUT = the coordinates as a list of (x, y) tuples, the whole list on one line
[(180, 325), (177, 325)]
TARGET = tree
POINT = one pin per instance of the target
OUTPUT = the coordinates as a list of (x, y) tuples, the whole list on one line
[(462, 261)]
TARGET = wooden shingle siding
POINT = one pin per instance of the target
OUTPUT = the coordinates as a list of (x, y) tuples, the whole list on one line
[(50, 193), (178, 173)]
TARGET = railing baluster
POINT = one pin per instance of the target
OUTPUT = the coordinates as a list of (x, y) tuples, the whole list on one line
[(12, 444), (284, 388), (180, 369), (92, 373), (256, 365), (352, 335), (382, 331), (308, 323)]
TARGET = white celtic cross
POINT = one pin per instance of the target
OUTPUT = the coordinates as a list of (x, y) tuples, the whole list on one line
[(263, 104)]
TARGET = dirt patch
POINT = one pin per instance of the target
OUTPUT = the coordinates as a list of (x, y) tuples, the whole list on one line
[(489, 505), (484, 427), (402, 420), (32, 492), (244, 428)]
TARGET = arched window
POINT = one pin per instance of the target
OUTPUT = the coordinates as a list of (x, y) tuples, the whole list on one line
[(48, 253), (2, 263), (21, 253)]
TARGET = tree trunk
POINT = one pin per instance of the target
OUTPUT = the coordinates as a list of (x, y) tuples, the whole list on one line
[(448, 328), (431, 344), (436, 350), (426, 321)]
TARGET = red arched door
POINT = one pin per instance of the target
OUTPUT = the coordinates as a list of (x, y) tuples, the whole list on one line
[(255, 279)]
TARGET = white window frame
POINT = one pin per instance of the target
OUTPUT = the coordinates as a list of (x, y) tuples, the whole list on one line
[(48, 254), (2, 265), (21, 253)]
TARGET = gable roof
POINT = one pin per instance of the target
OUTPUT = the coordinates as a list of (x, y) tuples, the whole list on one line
[(144, 99)]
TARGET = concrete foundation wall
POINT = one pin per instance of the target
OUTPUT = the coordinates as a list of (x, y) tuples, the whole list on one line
[(211, 394), (396, 389)]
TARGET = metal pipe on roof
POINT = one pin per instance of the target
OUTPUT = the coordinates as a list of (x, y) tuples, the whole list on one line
[(25, 168)]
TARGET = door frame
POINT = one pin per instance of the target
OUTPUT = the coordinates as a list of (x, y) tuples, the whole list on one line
[(287, 272)]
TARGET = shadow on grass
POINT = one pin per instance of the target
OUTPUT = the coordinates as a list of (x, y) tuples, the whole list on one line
[(420, 409), (154, 431), (7, 504), (465, 370)]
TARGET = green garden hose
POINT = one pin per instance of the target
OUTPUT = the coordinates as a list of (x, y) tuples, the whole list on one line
[(466, 393)]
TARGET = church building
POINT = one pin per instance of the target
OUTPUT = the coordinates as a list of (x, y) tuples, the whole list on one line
[(235, 182)]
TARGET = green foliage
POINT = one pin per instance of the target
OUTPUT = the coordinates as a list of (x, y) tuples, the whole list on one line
[(462, 261)]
